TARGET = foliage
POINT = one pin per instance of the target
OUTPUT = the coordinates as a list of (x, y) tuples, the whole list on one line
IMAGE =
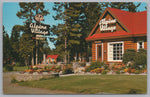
[(104, 72), (7, 56), (83, 64), (117, 72), (8, 67), (19, 64), (141, 57), (129, 55), (13, 80), (137, 72), (20, 68), (68, 70), (129, 6), (94, 65)]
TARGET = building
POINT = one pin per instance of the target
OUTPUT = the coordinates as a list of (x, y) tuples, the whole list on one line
[(51, 58), (115, 31)]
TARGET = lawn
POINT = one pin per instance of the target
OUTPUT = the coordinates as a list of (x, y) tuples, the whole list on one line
[(94, 84)]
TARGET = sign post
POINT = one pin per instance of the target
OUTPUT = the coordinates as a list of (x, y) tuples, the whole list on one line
[(39, 29)]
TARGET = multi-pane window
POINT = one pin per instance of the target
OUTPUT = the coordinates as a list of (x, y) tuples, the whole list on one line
[(117, 51)]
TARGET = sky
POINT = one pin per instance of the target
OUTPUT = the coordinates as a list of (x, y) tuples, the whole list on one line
[(10, 19)]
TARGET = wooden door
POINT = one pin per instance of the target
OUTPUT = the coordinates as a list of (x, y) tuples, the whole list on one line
[(99, 52)]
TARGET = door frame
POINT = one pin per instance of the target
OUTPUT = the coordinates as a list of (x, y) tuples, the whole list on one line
[(97, 51)]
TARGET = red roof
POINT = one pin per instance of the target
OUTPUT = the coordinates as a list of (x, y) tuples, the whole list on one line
[(136, 23), (52, 56)]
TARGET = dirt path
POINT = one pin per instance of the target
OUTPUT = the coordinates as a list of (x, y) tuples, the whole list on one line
[(9, 88)]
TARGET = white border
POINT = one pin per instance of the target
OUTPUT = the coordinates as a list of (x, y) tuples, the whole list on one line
[(108, 51), (118, 95)]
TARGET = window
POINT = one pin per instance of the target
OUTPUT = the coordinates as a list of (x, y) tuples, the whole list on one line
[(115, 51), (140, 44)]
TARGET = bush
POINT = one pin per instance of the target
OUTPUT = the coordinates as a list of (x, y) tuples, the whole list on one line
[(93, 66), (14, 80), (9, 67), (68, 70), (137, 72), (19, 64), (83, 64), (141, 57), (117, 72), (104, 72), (129, 55)]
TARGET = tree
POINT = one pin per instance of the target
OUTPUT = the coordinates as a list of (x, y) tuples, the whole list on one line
[(92, 12), (6, 48), (129, 6), (27, 12), (15, 38), (68, 32)]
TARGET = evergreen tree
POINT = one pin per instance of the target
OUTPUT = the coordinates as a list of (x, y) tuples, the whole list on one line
[(7, 58), (15, 38), (27, 12), (69, 32), (128, 6)]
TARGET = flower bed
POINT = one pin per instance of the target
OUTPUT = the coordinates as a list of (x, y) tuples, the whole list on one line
[(116, 69)]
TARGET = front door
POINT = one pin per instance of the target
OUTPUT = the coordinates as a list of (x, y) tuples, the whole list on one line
[(99, 52)]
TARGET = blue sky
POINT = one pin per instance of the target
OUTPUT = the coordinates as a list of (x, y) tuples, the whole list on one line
[(10, 19)]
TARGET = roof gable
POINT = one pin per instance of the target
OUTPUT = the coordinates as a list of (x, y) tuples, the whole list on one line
[(108, 13), (134, 23)]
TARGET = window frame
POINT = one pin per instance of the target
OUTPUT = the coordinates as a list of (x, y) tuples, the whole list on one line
[(139, 45), (110, 57)]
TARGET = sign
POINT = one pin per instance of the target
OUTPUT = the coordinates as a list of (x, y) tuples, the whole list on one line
[(38, 18), (40, 37), (39, 28), (104, 25)]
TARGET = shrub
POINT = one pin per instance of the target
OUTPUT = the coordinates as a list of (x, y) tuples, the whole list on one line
[(104, 72), (94, 65), (19, 64), (14, 80), (117, 72), (83, 64), (129, 55), (9, 67), (137, 72), (68, 70), (122, 71), (141, 57)]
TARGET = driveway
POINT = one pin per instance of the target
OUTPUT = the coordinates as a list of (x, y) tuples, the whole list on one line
[(10, 88)]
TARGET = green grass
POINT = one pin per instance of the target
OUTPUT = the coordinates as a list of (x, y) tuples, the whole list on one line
[(91, 84), (22, 68)]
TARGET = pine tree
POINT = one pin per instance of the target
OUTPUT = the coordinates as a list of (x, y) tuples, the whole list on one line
[(7, 58), (27, 13), (128, 6), (68, 32)]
